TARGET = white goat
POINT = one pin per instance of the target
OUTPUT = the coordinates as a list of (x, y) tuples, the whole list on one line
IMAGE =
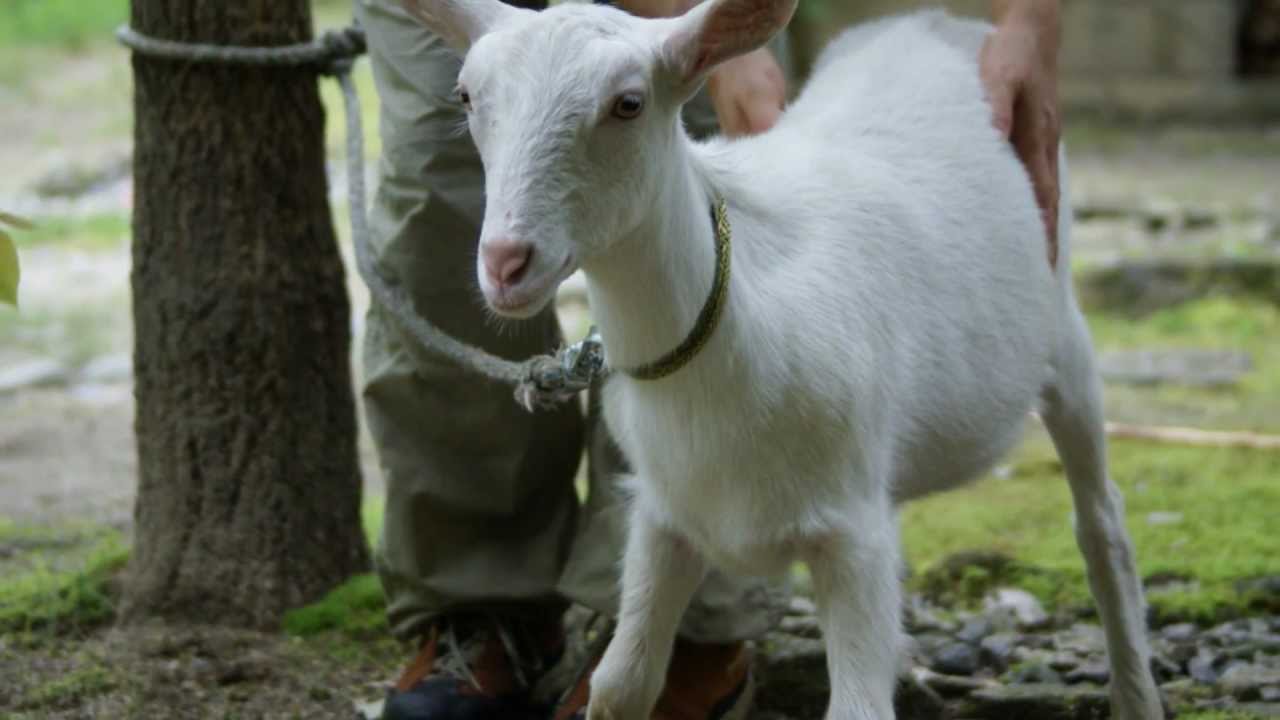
[(891, 316)]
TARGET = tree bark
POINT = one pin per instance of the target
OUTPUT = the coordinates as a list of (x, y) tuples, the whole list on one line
[(249, 486)]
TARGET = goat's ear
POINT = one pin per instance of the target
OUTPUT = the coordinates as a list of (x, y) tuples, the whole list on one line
[(459, 22), (717, 30)]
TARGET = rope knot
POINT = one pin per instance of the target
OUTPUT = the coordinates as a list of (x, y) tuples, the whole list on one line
[(342, 46)]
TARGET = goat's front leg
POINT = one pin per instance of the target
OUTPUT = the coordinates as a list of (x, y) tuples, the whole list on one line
[(855, 581), (660, 573)]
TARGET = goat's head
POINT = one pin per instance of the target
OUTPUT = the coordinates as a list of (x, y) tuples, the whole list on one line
[(572, 110)]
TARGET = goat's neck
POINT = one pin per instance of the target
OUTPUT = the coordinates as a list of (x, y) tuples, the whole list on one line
[(647, 291)]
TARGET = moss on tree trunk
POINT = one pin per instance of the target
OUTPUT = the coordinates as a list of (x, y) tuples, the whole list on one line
[(249, 486)]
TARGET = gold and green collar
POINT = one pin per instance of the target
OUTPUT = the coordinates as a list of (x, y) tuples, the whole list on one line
[(708, 317)]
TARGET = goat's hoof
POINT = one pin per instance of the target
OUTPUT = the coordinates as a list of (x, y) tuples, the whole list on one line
[(597, 711)]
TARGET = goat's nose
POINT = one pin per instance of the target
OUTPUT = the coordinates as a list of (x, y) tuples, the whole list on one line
[(505, 259)]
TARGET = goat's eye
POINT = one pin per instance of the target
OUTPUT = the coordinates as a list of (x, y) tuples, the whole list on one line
[(464, 97), (628, 105)]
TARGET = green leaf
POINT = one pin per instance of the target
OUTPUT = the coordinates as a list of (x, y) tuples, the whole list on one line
[(14, 221), (8, 270)]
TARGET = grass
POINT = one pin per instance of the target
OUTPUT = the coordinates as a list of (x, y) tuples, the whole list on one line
[(65, 586), (103, 231), (72, 688), (74, 335), (67, 24)]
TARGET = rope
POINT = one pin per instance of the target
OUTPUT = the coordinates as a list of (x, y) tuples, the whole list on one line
[(543, 381)]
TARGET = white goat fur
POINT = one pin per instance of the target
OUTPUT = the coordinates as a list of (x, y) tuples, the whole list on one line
[(892, 316)]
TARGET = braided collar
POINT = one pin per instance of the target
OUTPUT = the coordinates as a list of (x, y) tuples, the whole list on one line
[(708, 317)]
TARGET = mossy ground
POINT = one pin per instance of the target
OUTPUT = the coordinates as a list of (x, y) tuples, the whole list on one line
[(1225, 499)]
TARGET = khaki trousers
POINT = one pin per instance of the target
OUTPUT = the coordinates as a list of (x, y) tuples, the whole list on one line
[(481, 510)]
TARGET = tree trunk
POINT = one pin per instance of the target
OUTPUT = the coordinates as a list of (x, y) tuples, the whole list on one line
[(249, 486)]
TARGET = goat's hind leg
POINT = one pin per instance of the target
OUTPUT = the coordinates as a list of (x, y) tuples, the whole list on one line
[(1073, 416)]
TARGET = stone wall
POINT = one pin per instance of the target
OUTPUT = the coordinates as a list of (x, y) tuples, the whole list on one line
[(1147, 59)]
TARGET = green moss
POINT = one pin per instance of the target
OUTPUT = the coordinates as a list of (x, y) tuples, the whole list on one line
[(49, 596), (1226, 499), (371, 517), (1191, 713), (72, 688), (356, 608)]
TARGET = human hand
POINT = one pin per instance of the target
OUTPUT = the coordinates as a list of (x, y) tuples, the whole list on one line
[(748, 93), (1019, 68)]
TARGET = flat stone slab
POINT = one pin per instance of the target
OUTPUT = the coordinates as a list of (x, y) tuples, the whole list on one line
[(1039, 701), (34, 373), (1140, 286), (1195, 367)]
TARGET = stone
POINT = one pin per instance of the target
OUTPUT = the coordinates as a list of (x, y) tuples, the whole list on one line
[(957, 658), (1038, 701), (1164, 518), (1193, 367), (974, 630), (1082, 639), (1257, 710), (368, 710), (1163, 668), (919, 618), (1138, 286), (1244, 681), (1262, 593), (1063, 661), (1181, 653), (996, 650), (108, 369), (1203, 668), (1183, 690), (43, 372), (1090, 672), (1027, 610), (1269, 694), (914, 700), (925, 645), (1179, 633), (801, 625), (799, 605), (793, 678), (951, 686)]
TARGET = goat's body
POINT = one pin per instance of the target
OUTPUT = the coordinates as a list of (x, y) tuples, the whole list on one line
[(892, 320), (891, 316)]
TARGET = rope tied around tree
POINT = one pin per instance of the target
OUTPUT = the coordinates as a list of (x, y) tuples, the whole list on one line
[(543, 381)]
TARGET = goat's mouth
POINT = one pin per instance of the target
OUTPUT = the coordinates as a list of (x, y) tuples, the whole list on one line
[(528, 297)]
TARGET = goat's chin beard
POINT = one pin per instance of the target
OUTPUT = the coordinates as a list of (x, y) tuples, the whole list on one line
[(520, 307)]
